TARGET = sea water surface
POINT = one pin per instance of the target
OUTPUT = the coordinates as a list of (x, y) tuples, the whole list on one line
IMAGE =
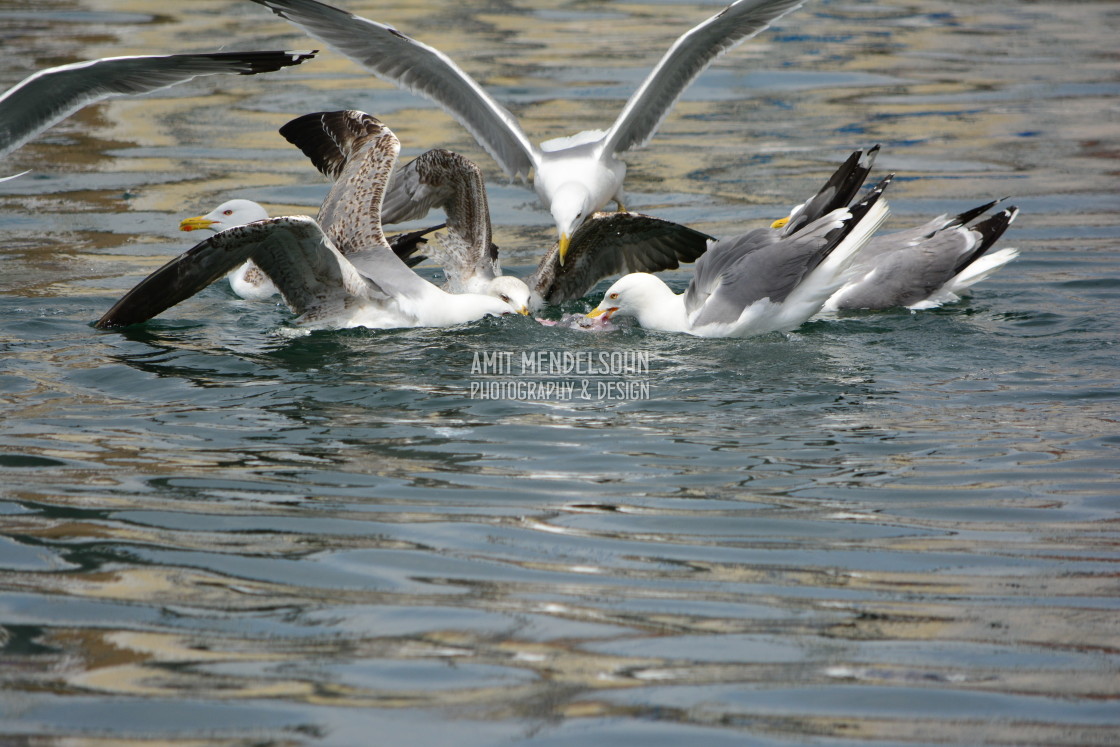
[(893, 527)]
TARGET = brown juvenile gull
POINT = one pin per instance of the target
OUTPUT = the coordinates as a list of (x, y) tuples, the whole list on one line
[(606, 244), (438, 178), (361, 284)]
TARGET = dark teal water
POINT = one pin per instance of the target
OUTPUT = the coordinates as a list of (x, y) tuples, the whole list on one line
[(895, 528)]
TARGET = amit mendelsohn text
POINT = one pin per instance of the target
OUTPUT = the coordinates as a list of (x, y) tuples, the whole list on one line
[(561, 363)]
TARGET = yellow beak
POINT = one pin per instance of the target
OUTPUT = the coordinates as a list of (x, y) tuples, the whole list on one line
[(600, 311), (195, 223), (780, 222), (523, 311), (564, 241)]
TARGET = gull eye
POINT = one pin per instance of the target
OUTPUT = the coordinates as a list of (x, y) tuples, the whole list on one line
[(227, 212), (613, 296), (504, 297)]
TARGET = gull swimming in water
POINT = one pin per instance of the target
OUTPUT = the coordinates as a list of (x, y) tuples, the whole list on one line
[(918, 268), (248, 281), (928, 266), (439, 178), (574, 176), (756, 282), (369, 286), (51, 95), (605, 244)]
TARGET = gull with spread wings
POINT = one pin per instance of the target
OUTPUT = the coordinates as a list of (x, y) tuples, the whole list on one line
[(574, 176)]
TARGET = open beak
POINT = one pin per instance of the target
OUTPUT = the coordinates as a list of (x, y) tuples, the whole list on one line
[(564, 241), (780, 223), (600, 311), (195, 223)]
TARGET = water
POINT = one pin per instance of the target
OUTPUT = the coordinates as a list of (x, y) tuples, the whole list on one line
[(892, 528)]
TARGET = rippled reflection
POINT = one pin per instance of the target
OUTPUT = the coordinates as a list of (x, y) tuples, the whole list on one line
[(887, 527)]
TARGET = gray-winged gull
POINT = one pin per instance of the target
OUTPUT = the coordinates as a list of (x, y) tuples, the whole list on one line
[(368, 287), (756, 282), (574, 176), (927, 266), (919, 268), (51, 95)]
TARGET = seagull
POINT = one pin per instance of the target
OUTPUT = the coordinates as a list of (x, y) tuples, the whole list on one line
[(248, 281), (366, 285), (928, 266), (437, 178), (756, 282), (606, 244), (251, 283), (574, 176), (49, 96), (918, 268)]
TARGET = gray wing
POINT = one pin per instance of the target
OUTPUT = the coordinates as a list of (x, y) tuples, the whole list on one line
[(358, 153), (719, 263), (53, 94), (611, 244), (897, 240), (739, 271), (420, 69), (442, 179), (908, 273), (689, 56), (291, 250)]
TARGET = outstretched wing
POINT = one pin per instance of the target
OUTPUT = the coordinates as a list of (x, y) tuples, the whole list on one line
[(689, 56), (296, 255), (358, 153), (416, 67), (51, 95)]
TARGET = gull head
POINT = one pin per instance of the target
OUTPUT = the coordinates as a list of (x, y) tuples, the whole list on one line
[(227, 215), (571, 205), (512, 291), (630, 295), (646, 298)]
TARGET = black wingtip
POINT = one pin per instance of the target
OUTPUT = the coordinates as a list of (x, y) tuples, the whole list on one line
[(838, 191), (972, 214), (266, 62), (858, 212), (329, 139), (990, 230), (404, 245)]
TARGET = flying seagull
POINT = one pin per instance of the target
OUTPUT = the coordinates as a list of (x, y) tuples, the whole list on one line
[(574, 176), (49, 96), (361, 283)]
